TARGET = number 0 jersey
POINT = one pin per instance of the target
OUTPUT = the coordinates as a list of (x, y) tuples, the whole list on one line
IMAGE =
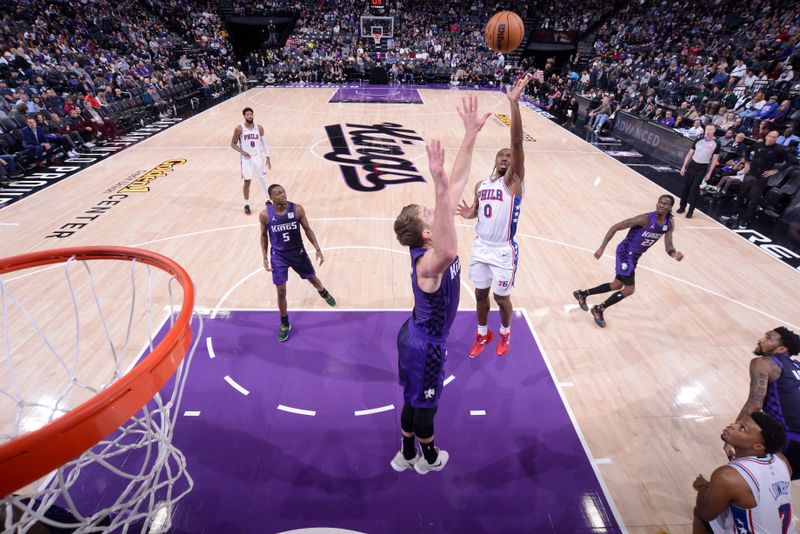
[(498, 211)]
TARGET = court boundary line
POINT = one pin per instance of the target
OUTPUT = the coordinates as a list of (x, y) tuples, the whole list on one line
[(589, 456)]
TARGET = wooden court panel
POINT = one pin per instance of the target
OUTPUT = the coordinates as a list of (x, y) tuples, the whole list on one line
[(651, 392)]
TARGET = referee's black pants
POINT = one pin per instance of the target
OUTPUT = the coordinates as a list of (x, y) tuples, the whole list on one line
[(691, 187)]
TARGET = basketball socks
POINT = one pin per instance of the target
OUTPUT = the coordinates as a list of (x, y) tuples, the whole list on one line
[(324, 293), (483, 330), (409, 450), (602, 288), (429, 452), (613, 299), (285, 319), (504, 330)]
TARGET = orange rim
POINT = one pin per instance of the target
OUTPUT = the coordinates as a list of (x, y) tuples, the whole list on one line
[(31, 456)]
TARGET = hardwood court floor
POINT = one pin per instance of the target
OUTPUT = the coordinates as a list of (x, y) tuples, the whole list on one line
[(651, 392)]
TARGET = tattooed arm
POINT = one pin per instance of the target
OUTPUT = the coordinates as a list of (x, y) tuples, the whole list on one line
[(763, 370)]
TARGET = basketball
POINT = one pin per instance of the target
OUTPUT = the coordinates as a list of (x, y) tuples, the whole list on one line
[(504, 31)]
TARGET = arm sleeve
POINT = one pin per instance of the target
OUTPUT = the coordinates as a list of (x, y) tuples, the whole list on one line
[(265, 145)]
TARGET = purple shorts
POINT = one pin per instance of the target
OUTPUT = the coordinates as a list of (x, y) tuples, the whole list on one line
[(297, 259), (421, 366), (626, 266)]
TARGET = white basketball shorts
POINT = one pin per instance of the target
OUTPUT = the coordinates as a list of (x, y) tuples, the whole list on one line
[(494, 266)]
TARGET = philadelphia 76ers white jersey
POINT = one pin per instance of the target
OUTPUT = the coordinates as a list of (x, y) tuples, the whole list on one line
[(498, 211), (250, 140), (768, 478)]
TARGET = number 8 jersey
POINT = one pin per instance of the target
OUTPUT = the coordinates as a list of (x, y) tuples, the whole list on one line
[(498, 211)]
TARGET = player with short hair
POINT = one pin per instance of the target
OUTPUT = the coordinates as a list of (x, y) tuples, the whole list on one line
[(644, 231), (249, 141), (435, 281), (775, 386), (496, 205), (752, 492), (280, 227)]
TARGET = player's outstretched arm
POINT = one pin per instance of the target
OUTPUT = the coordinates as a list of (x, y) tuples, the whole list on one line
[(473, 122), (445, 244), (312, 237), (639, 220), (517, 168)]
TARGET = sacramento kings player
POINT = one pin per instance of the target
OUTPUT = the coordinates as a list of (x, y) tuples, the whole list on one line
[(280, 227), (435, 278), (775, 387), (644, 231)]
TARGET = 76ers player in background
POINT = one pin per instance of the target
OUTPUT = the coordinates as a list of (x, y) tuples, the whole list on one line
[(280, 227), (494, 251), (435, 278), (249, 141), (644, 231)]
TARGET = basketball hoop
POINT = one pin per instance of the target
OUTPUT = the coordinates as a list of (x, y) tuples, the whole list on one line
[(125, 417), (377, 36)]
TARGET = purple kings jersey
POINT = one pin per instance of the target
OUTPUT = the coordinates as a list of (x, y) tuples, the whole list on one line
[(782, 400), (435, 312), (284, 230), (640, 238)]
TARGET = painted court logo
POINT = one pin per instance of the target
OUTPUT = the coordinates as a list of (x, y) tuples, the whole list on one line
[(370, 157), (140, 184)]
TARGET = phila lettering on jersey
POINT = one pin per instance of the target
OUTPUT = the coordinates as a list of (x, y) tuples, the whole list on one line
[(498, 211), (250, 140)]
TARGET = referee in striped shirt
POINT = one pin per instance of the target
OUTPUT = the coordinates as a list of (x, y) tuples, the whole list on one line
[(698, 164)]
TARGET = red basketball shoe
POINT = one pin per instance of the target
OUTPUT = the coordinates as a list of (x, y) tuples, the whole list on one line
[(503, 343), (480, 343)]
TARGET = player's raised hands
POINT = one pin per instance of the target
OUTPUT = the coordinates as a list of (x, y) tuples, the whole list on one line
[(468, 111), (514, 93), (436, 162)]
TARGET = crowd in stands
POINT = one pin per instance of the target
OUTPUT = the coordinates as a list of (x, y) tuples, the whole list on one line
[(557, 15), (689, 64), (430, 43), (75, 74)]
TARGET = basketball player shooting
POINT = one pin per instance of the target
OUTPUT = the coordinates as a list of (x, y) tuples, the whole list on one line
[(494, 252), (430, 235), (644, 231), (249, 141)]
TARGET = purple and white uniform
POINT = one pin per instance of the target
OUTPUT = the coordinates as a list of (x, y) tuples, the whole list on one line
[(636, 243), (422, 340), (286, 245)]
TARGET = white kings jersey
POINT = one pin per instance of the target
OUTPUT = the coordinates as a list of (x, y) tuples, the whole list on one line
[(250, 141), (768, 479), (498, 211)]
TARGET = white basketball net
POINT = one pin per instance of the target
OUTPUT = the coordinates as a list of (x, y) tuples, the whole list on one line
[(139, 457)]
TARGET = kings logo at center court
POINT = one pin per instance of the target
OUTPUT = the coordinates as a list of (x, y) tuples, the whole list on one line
[(371, 156)]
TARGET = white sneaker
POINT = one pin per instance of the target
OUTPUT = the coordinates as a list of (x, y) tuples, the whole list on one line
[(400, 464), (72, 154), (89, 144), (423, 467)]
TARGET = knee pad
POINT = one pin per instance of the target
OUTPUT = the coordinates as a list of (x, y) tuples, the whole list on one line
[(423, 422), (407, 419)]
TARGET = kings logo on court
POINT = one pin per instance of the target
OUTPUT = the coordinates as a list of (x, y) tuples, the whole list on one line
[(371, 156)]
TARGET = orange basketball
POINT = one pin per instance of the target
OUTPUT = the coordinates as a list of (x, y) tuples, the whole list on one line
[(504, 31)]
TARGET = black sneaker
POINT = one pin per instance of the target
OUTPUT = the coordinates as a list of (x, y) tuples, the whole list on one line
[(689, 214), (247, 209), (581, 298), (597, 313), (680, 210)]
